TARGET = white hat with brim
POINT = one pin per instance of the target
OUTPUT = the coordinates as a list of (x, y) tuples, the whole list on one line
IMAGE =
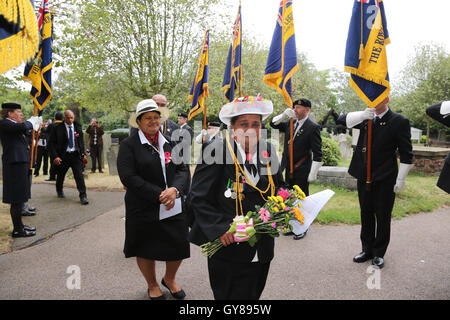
[(246, 105), (148, 105)]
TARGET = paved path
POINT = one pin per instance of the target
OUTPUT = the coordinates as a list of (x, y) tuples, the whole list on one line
[(317, 267)]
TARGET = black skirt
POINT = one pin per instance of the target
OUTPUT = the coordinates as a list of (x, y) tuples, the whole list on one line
[(164, 240), (16, 183)]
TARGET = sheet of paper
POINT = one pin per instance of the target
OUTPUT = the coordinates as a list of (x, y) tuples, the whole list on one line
[(310, 208), (164, 213)]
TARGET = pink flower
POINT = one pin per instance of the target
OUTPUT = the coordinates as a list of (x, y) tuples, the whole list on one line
[(167, 156), (287, 208), (274, 225), (284, 194), (264, 215)]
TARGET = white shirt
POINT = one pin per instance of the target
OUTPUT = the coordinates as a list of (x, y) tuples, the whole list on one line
[(73, 136), (161, 142), (300, 124)]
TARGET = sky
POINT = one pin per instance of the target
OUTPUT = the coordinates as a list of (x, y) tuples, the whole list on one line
[(321, 27)]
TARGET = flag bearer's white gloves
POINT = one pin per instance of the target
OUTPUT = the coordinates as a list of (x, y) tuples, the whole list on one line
[(287, 114), (355, 118), (314, 170), (401, 176), (36, 122), (445, 108), (199, 138)]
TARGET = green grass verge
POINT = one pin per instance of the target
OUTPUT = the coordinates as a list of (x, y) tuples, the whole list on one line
[(419, 195)]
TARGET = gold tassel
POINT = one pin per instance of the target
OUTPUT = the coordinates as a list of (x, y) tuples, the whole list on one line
[(361, 52)]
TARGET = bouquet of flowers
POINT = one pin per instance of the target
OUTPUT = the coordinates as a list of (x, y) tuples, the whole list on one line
[(270, 219)]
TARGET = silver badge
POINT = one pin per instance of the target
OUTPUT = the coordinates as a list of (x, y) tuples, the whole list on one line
[(233, 195), (227, 193)]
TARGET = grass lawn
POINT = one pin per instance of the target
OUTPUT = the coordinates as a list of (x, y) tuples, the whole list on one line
[(419, 195)]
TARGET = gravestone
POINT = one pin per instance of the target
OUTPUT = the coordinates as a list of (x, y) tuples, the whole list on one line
[(112, 158), (337, 176), (429, 159)]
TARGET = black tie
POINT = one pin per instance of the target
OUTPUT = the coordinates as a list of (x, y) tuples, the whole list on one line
[(70, 137), (250, 167)]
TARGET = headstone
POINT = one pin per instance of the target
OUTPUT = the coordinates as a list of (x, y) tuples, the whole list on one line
[(112, 159), (337, 176), (344, 145)]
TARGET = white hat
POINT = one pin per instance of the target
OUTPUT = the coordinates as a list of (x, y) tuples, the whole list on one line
[(246, 105), (145, 106)]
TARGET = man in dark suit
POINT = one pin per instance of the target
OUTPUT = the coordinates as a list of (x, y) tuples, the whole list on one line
[(58, 118), (67, 148), (42, 152), (182, 122), (307, 146), (16, 164), (391, 133), (213, 132), (441, 112), (236, 271)]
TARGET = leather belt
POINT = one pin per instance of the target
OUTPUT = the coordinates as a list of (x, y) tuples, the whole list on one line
[(299, 163)]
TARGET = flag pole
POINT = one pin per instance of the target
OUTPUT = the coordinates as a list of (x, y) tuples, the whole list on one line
[(369, 156)]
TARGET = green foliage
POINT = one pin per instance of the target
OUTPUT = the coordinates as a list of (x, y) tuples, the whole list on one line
[(331, 154)]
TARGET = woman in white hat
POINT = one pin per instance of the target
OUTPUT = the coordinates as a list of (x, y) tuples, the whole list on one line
[(237, 271), (155, 226)]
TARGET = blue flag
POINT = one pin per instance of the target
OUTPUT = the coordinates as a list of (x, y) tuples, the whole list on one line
[(39, 71), (282, 59), (199, 89), (19, 36), (233, 72), (365, 55)]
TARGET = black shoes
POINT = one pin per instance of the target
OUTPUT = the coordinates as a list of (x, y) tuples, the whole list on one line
[(61, 195), (378, 262), (84, 200), (161, 297), (362, 257), (50, 179), (23, 233), (28, 213), (27, 228), (177, 295), (300, 236)]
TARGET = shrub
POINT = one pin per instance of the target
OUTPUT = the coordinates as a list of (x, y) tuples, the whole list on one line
[(331, 154)]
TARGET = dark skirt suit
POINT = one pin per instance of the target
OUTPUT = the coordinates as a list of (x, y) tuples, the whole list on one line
[(140, 171), (232, 273)]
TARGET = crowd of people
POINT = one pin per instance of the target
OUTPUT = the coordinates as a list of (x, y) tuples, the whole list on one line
[(167, 208)]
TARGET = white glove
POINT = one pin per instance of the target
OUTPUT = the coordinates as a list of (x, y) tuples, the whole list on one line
[(355, 118), (36, 122), (445, 108), (314, 170), (287, 114), (401, 176), (199, 138)]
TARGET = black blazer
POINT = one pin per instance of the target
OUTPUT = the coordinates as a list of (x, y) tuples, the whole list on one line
[(14, 142), (444, 179), (213, 212), (391, 134), (306, 141), (140, 171), (59, 140)]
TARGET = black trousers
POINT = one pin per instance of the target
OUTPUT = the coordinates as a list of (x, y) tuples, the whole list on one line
[(376, 209), (16, 215), (42, 153), (300, 179), (237, 281), (96, 156), (71, 160)]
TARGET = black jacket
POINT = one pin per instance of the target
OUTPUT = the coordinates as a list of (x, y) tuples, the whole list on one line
[(391, 134), (59, 140), (213, 212), (444, 179), (307, 141), (140, 171)]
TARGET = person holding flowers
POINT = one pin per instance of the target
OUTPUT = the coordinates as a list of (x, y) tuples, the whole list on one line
[(242, 174)]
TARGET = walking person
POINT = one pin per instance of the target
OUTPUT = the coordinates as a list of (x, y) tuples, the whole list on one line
[(67, 149), (155, 226), (58, 118)]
